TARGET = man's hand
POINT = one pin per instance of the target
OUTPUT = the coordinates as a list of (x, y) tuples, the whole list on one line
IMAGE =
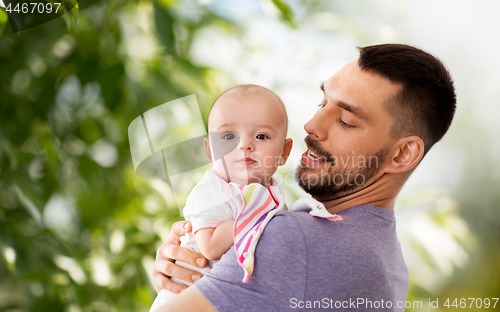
[(170, 251)]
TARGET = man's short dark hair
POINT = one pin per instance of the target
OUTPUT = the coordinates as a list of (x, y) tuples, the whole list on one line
[(426, 103)]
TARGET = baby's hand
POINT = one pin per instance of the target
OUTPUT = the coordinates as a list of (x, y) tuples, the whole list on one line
[(164, 266)]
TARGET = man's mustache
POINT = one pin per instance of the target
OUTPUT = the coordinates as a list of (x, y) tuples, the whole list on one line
[(315, 146)]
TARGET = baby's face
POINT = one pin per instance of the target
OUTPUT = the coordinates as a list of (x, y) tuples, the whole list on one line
[(248, 132)]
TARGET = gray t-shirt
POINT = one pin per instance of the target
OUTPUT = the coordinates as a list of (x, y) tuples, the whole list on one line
[(309, 263)]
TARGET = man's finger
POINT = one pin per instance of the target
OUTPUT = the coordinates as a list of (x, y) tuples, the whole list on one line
[(182, 273), (182, 254), (180, 228), (165, 268), (163, 282), (168, 252)]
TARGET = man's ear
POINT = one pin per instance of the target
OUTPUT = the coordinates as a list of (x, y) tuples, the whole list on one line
[(287, 148), (208, 151), (408, 153)]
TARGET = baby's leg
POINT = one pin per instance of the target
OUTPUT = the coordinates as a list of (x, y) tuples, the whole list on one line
[(165, 295), (162, 298)]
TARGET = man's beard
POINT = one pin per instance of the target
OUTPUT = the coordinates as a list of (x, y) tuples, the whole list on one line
[(334, 181)]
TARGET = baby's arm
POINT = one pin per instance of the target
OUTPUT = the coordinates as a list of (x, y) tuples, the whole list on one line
[(214, 242)]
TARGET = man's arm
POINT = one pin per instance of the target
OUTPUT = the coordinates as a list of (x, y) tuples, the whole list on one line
[(279, 274), (190, 300), (274, 282), (170, 251)]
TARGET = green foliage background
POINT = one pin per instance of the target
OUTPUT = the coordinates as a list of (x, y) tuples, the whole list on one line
[(55, 104)]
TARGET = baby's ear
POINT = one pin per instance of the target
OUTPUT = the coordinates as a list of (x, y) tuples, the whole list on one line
[(208, 151), (287, 148)]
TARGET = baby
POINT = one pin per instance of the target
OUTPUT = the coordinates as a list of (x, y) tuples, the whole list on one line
[(235, 199)]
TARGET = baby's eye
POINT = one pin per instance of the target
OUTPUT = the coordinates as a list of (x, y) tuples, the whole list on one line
[(261, 137), (228, 136)]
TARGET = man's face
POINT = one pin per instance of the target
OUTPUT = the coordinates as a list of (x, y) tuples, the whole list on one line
[(348, 138)]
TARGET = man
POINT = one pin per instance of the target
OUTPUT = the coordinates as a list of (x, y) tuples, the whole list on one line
[(379, 116)]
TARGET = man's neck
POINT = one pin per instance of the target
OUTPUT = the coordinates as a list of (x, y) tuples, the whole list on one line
[(381, 193)]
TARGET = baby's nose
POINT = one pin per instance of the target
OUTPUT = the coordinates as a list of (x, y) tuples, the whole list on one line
[(246, 144)]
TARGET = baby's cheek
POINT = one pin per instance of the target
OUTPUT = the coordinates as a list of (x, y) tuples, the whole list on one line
[(219, 168), (271, 163)]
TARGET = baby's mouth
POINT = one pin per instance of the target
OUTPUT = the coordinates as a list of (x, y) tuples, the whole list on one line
[(247, 161)]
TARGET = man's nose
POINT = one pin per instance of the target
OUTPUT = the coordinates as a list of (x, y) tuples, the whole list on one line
[(318, 125)]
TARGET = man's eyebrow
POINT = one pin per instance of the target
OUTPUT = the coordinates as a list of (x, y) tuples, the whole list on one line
[(356, 111)]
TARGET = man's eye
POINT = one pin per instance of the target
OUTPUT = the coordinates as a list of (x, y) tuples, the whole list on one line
[(228, 136), (261, 137), (321, 105), (345, 125)]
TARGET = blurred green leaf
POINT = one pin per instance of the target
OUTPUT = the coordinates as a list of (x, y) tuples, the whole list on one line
[(286, 11), (4, 18), (164, 23)]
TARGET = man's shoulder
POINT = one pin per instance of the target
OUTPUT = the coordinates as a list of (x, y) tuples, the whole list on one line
[(357, 226), (284, 219), (285, 224), (282, 238), (296, 228)]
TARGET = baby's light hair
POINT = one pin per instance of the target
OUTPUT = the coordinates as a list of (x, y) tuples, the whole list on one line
[(251, 89)]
